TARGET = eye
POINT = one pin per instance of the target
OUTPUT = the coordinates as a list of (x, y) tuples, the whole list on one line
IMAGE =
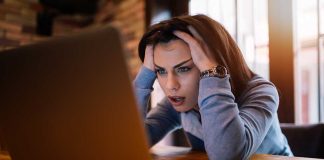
[(183, 69), (160, 71)]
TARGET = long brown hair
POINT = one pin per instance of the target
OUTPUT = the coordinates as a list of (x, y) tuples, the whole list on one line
[(219, 41)]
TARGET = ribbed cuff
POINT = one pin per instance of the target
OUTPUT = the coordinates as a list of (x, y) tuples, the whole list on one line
[(213, 86)]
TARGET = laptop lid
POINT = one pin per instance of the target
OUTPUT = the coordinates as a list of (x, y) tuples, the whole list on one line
[(70, 98)]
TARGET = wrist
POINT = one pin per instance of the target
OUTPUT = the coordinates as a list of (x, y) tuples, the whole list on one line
[(145, 78), (215, 71), (207, 66), (150, 67)]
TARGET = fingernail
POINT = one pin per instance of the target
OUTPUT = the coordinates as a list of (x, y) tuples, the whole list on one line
[(191, 29)]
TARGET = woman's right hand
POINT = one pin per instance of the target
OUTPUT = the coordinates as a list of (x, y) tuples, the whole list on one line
[(148, 60)]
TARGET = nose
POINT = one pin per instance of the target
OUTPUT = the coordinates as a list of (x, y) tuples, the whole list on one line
[(172, 83)]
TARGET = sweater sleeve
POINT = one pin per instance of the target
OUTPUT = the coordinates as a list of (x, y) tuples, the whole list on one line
[(232, 132), (162, 118), (143, 87)]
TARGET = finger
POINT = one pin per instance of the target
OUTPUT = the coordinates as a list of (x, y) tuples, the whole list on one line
[(196, 50), (194, 32), (199, 52), (192, 42), (200, 39), (149, 50), (148, 59), (187, 38)]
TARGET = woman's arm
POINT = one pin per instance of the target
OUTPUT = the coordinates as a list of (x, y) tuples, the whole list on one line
[(230, 132), (143, 87), (162, 118)]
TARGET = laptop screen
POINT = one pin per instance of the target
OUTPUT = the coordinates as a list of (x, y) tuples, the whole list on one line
[(70, 98)]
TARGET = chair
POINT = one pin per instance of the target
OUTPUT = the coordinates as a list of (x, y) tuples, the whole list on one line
[(305, 140)]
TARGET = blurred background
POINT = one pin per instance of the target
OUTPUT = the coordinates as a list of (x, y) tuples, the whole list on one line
[(282, 41)]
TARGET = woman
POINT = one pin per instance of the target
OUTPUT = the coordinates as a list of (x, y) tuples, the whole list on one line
[(223, 107)]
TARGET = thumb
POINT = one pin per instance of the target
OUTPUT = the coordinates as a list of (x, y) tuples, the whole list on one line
[(148, 59)]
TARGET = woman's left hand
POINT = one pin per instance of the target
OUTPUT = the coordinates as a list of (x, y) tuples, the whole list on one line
[(200, 52)]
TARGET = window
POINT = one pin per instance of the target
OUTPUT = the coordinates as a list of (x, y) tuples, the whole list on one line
[(309, 61), (321, 58), (221, 10), (247, 22)]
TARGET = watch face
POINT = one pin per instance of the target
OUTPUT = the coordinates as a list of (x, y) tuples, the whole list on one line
[(217, 71), (221, 71)]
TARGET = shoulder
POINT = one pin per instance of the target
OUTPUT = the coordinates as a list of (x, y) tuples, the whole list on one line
[(259, 84), (260, 90)]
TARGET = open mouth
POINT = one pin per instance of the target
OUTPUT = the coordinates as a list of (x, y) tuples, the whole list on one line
[(176, 100)]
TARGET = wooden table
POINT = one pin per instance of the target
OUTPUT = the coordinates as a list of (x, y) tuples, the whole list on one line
[(274, 157), (176, 153), (4, 156), (182, 153)]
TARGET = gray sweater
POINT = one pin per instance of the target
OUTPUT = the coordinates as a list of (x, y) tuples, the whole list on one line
[(225, 129)]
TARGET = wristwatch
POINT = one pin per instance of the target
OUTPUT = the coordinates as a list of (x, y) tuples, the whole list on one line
[(217, 71)]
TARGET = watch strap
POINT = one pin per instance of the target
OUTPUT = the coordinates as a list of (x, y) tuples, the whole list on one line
[(216, 71)]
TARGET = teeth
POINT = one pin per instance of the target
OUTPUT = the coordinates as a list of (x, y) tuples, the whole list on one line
[(177, 99)]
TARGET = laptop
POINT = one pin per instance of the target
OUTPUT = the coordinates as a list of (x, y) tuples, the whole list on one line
[(70, 98)]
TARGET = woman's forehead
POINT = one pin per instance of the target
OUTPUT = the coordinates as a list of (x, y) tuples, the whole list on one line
[(178, 46), (171, 53)]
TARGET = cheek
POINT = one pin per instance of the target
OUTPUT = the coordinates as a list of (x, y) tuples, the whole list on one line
[(192, 84), (191, 79), (189, 83), (162, 82)]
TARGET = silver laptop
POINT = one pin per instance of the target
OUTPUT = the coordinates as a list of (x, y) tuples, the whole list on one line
[(70, 99)]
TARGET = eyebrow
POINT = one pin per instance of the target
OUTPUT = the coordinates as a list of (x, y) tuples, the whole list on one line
[(178, 65)]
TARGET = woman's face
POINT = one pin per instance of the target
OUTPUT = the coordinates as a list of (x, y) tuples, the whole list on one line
[(177, 74)]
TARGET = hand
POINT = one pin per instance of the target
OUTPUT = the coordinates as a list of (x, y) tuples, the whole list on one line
[(148, 60), (200, 52)]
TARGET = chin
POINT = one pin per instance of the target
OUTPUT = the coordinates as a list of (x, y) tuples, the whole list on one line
[(182, 108)]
